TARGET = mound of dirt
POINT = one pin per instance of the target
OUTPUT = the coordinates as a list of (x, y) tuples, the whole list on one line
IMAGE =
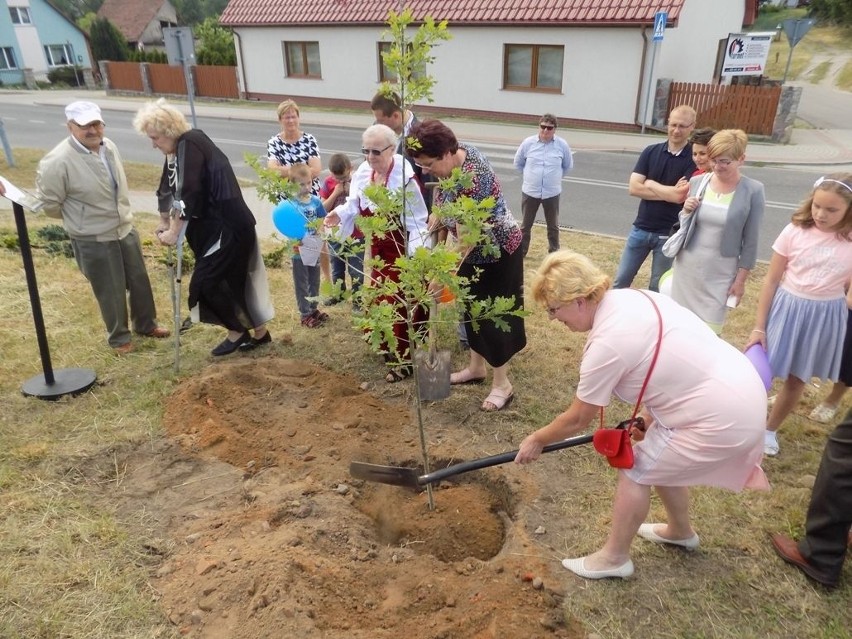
[(271, 536)]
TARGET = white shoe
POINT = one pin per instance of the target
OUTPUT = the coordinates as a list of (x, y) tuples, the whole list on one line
[(578, 567), (646, 531), (823, 413), (770, 444)]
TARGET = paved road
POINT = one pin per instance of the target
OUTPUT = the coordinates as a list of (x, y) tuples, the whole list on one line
[(595, 195)]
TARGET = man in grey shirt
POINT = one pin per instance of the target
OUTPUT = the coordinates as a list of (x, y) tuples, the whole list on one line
[(82, 181)]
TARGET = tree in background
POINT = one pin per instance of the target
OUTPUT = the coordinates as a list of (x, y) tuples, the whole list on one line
[(215, 44), (107, 41), (190, 12), (837, 11), (76, 9)]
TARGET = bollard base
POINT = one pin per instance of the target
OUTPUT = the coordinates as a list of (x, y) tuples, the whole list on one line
[(67, 381)]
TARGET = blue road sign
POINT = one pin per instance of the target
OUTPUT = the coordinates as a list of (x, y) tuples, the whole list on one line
[(660, 19)]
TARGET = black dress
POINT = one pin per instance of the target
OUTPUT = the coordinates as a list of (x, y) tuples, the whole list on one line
[(220, 231)]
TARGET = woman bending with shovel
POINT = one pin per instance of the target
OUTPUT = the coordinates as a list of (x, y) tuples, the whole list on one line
[(704, 404)]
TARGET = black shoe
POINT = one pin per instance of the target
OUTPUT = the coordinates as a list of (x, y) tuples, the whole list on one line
[(227, 346), (186, 325), (254, 343)]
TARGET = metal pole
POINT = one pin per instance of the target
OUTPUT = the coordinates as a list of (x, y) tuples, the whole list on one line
[(794, 41), (650, 83), (188, 79), (10, 160)]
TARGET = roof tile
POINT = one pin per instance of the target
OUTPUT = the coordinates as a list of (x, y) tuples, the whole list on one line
[(551, 12)]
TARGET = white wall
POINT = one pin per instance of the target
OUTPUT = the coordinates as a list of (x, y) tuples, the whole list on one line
[(604, 76), (468, 68), (688, 52)]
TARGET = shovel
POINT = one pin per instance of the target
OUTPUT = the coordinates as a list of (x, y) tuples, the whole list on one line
[(402, 476), (433, 367)]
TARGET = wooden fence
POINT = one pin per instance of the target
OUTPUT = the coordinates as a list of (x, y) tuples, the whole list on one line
[(156, 79), (750, 108)]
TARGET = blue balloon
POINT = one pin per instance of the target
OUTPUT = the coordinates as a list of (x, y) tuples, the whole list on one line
[(287, 219)]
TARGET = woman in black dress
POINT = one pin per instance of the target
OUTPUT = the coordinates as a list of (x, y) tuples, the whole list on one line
[(199, 196)]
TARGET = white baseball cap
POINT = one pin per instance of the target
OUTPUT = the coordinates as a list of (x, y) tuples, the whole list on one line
[(83, 112)]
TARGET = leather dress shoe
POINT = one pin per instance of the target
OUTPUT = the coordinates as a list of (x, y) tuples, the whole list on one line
[(788, 550), (578, 567), (123, 349), (646, 531), (227, 346), (255, 342), (159, 333)]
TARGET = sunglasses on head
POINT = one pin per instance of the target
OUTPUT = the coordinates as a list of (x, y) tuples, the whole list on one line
[(375, 151), (546, 127), (824, 179)]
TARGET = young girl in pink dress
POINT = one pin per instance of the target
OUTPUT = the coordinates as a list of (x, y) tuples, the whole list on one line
[(801, 312)]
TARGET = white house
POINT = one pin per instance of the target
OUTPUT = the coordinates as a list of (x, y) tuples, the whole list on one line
[(586, 62), (36, 37)]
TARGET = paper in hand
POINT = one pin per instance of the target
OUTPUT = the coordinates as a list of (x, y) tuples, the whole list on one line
[(13, 193)]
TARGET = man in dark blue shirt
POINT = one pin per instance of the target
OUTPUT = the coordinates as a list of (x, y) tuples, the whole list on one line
[(661, 180)]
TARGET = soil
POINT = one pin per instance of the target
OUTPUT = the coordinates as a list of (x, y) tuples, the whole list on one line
[(261, 531)]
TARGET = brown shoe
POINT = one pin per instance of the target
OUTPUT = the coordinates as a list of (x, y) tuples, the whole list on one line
[(123, 349), (159, 333), (789, 552)]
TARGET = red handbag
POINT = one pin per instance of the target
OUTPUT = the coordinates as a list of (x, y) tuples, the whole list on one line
[(614, 443)]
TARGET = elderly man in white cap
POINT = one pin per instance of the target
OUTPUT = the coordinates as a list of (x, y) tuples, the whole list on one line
[(82, 181)]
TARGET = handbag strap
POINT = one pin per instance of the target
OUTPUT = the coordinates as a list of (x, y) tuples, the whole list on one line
[(656, 353)]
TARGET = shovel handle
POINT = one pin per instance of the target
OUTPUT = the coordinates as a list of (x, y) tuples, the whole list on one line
[(496, 460)]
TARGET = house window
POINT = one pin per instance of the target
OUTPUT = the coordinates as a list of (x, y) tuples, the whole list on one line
[(58, 55), (20, 15), (302, 59), (386, 74), (533, 66), (7, 58)]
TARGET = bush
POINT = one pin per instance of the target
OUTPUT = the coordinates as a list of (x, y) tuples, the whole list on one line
[(65, 75)]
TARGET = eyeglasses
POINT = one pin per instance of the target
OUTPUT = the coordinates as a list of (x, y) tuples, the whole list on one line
[(546, 127), (824, 179), (375, 152), (425, 166), (722, 161)]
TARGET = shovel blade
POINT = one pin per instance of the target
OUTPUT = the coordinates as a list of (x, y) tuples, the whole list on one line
[(393, 475), (433, 375)]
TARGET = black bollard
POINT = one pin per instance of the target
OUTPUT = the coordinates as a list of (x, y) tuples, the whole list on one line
[(50, 385)]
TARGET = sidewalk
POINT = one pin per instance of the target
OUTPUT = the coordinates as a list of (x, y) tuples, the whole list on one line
[(808, 147)]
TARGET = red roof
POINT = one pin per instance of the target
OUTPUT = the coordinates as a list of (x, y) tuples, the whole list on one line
[(131, 17), (456, 12)]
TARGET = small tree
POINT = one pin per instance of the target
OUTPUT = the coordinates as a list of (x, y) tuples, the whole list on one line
[(107, 41), (408, 59), (215, 44)]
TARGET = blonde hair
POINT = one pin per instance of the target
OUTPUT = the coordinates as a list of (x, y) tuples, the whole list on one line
[(162, 117), (731, 142), (839, 184), (565, 276), (286, 106), (300, 172)]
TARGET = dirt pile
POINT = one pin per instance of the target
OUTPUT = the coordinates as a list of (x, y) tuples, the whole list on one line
[(271, 537)]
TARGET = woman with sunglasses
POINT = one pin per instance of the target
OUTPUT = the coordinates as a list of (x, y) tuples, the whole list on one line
[(802, 308), (383, 166), (722, 217), (435, 149)]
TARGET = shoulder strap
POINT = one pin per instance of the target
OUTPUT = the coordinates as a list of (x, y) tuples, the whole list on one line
[(656, 352)]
